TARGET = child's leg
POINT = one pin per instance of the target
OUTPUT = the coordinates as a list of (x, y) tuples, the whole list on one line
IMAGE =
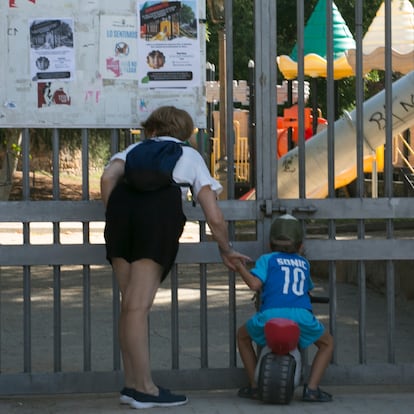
[(322, 359), (247, 354)]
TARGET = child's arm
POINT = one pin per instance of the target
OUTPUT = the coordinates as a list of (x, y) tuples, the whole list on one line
[(252, 281)]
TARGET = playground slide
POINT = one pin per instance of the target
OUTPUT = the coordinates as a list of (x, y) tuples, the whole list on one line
[(345, 143)]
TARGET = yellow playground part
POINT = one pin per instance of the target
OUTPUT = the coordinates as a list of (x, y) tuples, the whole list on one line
[(372, 163), (241, 146), (316, 145), (242, 153)]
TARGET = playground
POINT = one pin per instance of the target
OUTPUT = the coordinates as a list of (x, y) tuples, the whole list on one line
[(314, 125), (316, 148)]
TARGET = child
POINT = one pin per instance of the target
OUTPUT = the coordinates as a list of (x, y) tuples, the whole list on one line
[(283, 279)]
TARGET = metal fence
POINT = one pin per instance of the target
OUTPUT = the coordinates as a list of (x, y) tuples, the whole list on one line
[(59, 302)]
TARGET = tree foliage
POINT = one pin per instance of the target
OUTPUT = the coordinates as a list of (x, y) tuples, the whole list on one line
[(286, 37)]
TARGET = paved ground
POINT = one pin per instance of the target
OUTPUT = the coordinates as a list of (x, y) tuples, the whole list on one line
[(375, 399), (348, 400)]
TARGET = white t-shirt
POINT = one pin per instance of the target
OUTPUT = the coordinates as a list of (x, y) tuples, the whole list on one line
[(190, 168)]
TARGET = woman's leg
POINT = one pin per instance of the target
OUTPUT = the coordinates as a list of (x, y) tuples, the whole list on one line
[(138, 283)]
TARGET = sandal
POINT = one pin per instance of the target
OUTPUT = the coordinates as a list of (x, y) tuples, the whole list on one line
[(248, 392), (315, 395)]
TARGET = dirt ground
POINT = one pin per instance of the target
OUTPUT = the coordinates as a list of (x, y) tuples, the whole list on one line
[(41, 186)]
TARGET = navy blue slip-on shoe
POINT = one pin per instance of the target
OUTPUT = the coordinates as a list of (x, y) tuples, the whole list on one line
[(126, 395), (163, 399)]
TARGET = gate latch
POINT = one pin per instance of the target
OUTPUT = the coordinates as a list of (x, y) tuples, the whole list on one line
[(268, 209)]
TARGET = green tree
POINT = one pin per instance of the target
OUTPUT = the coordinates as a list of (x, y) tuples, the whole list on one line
[(243, 38), (286, 38)]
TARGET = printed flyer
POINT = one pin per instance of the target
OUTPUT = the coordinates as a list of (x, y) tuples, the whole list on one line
[(168, 44), (118, 47), (52, 54)]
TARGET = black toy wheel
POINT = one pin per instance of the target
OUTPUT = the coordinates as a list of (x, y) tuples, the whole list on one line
[(276, 378)]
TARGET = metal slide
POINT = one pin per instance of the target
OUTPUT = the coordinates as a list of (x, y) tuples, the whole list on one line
[(345, 143)]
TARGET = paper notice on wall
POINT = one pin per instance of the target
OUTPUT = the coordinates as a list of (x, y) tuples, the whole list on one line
[(52, 53), (168, 44), (52, 93), (118, 47)]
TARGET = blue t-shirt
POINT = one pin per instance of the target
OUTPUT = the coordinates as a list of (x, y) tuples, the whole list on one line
[(286, 280)]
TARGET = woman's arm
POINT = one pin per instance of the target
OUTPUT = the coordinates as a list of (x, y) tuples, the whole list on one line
[(215, 219), (110, 178)]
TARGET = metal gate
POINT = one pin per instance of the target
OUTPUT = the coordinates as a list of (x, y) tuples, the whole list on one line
[(59, 302)]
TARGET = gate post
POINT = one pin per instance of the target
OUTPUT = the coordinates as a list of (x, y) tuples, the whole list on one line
[(265, 101)]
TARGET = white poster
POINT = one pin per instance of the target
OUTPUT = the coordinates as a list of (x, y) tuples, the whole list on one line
[(168, 44), (52, 53), (118, 47)]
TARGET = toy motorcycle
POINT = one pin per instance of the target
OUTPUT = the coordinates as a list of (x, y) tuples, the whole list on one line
[(279, 368)]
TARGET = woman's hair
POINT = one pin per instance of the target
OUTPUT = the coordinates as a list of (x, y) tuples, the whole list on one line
[(170, 121)]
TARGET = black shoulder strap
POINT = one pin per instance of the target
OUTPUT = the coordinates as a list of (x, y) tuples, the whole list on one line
[(149, 166)]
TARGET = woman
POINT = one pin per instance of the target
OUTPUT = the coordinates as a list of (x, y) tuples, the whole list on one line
[(142, 233)]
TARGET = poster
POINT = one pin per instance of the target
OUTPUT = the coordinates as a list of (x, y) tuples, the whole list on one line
[(77, 64), (52, 93), (118, 47), (52, 53), (168, 44)]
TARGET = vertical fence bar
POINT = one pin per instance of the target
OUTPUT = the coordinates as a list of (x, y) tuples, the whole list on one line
[(55, 164), (362, 314), (359, 96), (26, 164), (333, 306), (266, 110), (391, 311), (300, 22), (114, 144), (203, 304), (203, 316), (27, 309), (175, 340), (116, 353), (57, 320), (232, 320), (389, 178), (228, 23), (300, 47), (330, 95), (57, 288), (27, 316), (252, 123), (87, 343), (114, 141), (85, 164)]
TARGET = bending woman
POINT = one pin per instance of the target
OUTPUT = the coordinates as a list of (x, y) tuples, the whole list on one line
[(142, 234)]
